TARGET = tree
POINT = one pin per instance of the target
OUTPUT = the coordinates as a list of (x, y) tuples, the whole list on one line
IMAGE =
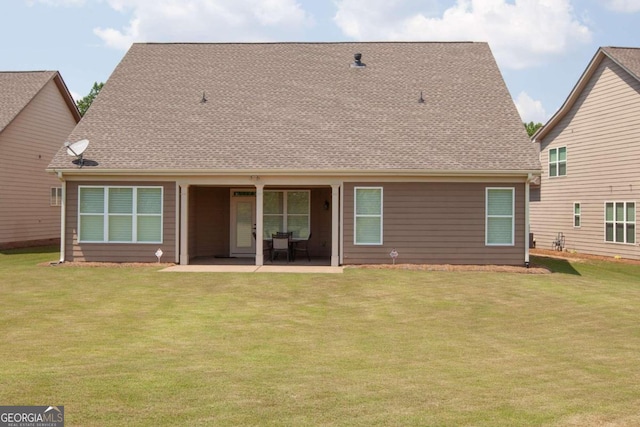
[(532, 127), (84, 103)]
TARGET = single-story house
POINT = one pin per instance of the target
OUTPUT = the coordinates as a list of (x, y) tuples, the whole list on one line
[(589, 149), (37, 113), (368, 147)]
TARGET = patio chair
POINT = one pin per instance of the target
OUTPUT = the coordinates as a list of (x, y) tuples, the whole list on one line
[(302, 246), (280, 245), (266, 245)]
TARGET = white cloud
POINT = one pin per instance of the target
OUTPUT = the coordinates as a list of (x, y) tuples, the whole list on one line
[(521, 33), (57, 2), (530, 110), (203, 20), (624, 6)]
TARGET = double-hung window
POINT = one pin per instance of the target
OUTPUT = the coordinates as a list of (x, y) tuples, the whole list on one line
[(368, 216), (499, 216), (576, 215), (120, 214), (558, 161), (55, 197), (620, 222), (287, 210)]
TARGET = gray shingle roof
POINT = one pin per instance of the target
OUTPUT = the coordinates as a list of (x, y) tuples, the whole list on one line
[(17, 89), (301, 106), (628, 57)]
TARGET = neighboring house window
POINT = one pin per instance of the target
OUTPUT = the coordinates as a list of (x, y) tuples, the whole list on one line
[(368, 216), (558, 161), (576, 215), (55, 197), (499, 216), (287, 211), (120, 214), (620, 222)]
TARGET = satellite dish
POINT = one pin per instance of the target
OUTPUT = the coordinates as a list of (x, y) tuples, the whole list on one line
[(76, 149)]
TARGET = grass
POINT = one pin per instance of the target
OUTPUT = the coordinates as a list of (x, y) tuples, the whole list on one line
[(133, 346)]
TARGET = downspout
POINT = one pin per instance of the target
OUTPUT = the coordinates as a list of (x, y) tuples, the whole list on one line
[(526, 219), (63, 216)]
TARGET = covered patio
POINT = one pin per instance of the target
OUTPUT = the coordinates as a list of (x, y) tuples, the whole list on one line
[(219, 224)]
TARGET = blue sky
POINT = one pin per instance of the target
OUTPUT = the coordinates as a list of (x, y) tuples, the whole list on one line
[(542, 46)]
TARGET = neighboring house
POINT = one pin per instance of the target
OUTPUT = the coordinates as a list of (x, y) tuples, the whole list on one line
[(590, 152), (36, 114), (416, 147)]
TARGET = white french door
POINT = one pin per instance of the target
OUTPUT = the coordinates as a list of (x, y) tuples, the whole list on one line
[(243, 219)]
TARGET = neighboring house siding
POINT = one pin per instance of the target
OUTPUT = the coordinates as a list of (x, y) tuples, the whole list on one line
[(435, 223), (121, 252), (602, 135), (27, 145)]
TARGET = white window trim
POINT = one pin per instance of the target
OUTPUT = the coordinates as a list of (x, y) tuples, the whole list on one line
[(134, 226), (55, 199), (624, 222), (557, 162), (355, 216), (512, 216), (285, 209), (579, 215)]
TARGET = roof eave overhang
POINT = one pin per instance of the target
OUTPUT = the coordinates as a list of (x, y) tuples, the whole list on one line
[(291, 172)]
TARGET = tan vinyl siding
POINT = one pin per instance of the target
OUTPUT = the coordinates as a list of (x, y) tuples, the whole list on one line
[(602, 135), (121, 252), (435, 223), (27, 144)]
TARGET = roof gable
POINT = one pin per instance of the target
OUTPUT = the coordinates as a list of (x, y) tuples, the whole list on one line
[(627, 58), (17, 89), (302, 106)]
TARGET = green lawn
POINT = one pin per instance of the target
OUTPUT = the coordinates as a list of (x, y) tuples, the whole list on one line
[(133, 346)]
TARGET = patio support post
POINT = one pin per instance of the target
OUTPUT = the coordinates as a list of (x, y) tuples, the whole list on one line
[(526, 218), (184, 224), (259, 224), (335, 225)]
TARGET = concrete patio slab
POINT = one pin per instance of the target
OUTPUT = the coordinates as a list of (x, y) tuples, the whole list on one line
[(253, 269)]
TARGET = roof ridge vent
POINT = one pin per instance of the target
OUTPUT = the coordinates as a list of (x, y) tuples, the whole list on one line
[(357, 63)]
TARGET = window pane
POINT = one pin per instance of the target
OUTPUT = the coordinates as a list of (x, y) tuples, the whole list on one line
[(149, 228), (297, 202), (121, 200), (553, 169), (272, 203), (368, 230), (562, 154), (553, 155), (631, 233), (562, 169), (576, 208), (576, 221), (368, 201), (631, 212), (149, 200), (120, 228), (299, 225), (609, 232), (500, 202), (499, 231), (619, 211), (608, 212), (91, 228), (272, 224), (620, 233), (92, 200)]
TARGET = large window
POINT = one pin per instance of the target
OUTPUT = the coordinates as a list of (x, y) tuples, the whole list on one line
[(620, 222), (499, 216), (368, 216), (120, 214), (558, 161), (287, 211)]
